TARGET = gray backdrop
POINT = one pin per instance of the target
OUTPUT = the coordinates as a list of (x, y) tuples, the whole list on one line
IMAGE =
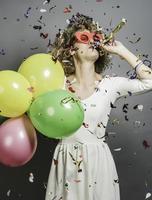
[(129, 129)]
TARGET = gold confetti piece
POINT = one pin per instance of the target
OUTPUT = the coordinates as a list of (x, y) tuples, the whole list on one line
[(116, 121)]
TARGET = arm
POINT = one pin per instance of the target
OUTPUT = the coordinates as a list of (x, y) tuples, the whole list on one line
[(116, 47), (125, 86), (143, 71), (129, 87), (140, 85)]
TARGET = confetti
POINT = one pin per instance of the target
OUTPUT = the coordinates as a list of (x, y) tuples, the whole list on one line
[(117, 149), (70, 6), (37, 27), (50, 44), (2, 52), (66, 10), (85, 125), (45, 185), (132, 74), (34, 48), (77, 181), (125, 108), (116, 180), (41, 21), (43, 10), (52, 8), (101, 125), (65, 61), (112, 133), (76, 162), (44, 35), (126, 118), (8, 193), (147, 62), (137, 123), (55, 162), (134, 42), (26, 15), (139, 107), (112, 105), (31, 177), (71, 89), (130, 93), (115, 121), (148, 195), (46, 2), (146, 144)]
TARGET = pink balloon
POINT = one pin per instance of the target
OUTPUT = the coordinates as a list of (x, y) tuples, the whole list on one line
[(18, 141)]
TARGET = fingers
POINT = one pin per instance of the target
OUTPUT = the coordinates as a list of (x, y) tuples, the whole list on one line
[(112, 42)]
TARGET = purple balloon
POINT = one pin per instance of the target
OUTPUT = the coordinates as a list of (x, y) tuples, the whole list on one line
[(18, 141)]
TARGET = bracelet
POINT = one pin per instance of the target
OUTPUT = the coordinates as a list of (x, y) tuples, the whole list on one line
[(138, 65), (134, 75)]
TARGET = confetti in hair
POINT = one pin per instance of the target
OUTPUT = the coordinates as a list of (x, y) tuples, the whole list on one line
[(65, 39)]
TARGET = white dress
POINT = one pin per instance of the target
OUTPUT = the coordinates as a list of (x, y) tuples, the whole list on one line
[(82, 166)]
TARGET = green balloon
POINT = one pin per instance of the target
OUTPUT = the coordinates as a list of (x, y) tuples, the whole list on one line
[(56, 114)]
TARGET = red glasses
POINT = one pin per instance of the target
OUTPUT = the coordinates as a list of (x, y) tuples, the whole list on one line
[(85, 37)]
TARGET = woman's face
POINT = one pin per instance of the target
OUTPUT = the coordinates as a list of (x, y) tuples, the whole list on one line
[(85, 50)]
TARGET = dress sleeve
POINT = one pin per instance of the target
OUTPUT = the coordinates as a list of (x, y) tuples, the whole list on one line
[(126, 86)]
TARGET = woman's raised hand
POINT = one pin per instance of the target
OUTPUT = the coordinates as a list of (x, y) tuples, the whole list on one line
[(113, 46)]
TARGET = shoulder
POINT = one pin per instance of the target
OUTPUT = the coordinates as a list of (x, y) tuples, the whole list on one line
[(115, 77), (116, 81), (111, 77)]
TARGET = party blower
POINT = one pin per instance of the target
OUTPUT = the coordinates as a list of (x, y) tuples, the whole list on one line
[(97, 42), (114, 31)]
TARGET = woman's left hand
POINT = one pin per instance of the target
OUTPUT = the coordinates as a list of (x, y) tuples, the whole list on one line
[(114, 46)]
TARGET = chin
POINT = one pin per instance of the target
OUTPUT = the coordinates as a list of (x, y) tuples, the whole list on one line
[(94, 54)]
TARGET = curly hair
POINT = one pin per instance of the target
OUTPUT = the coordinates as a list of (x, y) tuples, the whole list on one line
[(64, 43)]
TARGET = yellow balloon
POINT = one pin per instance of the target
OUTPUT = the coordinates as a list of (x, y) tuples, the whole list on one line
[(15, 94), (43, 73)]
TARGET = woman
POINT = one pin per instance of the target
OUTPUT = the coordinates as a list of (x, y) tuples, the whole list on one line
[(83, 167)]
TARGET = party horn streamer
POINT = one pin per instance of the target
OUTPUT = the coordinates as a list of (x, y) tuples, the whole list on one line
[(116, 29)]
